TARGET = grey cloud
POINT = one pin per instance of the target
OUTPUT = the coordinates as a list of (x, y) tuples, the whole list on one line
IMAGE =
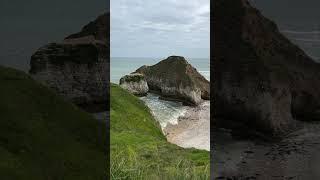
[(159, 28)]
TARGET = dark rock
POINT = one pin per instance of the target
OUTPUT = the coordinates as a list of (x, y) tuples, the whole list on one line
[(78, 67), (260, 78), (135, 83), (98, 28), (174, 78)]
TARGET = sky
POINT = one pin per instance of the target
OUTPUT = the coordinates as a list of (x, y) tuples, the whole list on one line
[(28, 25), (139, 28), (298, 20), (160, 28), (291, 14)]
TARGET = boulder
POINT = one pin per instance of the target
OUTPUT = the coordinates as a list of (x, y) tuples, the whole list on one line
[(261, 79), (174, 78), (78, 67), (135, 83)]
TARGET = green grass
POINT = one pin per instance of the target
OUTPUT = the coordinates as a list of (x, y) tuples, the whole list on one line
[(139, 150), (44, 137)]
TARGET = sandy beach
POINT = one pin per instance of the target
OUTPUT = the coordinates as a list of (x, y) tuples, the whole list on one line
[(296, 157), (193, 129)]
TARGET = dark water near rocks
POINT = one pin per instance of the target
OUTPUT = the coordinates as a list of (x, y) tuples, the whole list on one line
[(295, 157)]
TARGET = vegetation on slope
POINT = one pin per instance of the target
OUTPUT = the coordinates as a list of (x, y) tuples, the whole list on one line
[(139, 150), (44, 137)]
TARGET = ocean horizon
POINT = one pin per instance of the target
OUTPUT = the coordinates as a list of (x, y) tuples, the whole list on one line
[(120, 66)]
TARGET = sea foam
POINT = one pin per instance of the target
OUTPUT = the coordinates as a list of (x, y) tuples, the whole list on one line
[(165, 112)]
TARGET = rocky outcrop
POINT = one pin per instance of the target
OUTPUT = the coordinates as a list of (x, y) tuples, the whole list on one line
[(98, 28), (78, 67), (135, 83), (174, 78), (261, 79)]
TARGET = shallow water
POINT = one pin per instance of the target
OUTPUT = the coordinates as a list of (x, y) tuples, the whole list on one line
[(164, 111), (295, 157)]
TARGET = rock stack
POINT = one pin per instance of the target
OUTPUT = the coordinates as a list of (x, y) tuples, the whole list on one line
[(135, 83), (175, 79)]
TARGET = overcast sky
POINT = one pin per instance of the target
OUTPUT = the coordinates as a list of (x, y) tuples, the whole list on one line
[(160, 28), (291, 14), (294, 18), (28, 25)]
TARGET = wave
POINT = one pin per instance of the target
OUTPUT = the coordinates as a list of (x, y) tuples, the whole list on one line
[(206, 74), (165, 112)]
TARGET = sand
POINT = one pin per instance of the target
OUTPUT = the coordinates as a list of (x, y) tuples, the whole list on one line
[(296, 157), (193, 129)]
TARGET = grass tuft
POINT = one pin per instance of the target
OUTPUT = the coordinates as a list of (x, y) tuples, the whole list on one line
[(140, 151)]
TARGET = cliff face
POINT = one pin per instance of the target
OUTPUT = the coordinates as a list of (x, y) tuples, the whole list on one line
[(78, 67), (261, 79), (175, 78)]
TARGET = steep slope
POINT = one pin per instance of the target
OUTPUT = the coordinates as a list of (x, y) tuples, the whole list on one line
[(261, 79), (139, 150), (44, 137)]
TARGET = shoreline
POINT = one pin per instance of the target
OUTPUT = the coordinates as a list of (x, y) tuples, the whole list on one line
[(193, 128)]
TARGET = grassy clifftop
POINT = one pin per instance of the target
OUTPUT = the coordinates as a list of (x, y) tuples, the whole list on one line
[(43, 137), (139, 150)]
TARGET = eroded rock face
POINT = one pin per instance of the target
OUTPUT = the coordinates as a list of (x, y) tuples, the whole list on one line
[(78, 67), (135, 83), (261, 79), (175, 78)]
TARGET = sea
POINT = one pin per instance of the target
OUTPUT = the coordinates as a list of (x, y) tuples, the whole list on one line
[(165, 112)]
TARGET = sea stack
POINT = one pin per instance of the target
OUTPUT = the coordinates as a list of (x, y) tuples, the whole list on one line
[(135, 83), (78, 67), (174, 78), (260, 79)]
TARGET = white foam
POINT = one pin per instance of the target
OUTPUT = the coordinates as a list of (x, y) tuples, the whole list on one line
[(205, 74), (165, 112)]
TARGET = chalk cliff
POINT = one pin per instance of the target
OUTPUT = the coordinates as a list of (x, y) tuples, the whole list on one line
[(174, 78), (260, 79), (78, 67)]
